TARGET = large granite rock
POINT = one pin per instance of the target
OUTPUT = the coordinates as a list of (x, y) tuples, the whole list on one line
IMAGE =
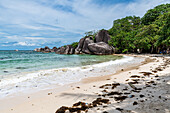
[(54, 49), (101, 48), (102, 36), (65, 50), (45, 50), (78, 50), (86, 45), (83, 45), (87, 41)]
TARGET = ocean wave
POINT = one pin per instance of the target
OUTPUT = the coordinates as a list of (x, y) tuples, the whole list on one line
[(63, 76), (28, 76)]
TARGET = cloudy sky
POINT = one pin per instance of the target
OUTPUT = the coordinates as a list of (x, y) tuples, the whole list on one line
[(27, 24)]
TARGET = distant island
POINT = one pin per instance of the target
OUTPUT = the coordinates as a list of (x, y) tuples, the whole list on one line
[(149, 34)]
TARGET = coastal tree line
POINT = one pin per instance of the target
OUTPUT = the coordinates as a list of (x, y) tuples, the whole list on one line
[(149, 34)]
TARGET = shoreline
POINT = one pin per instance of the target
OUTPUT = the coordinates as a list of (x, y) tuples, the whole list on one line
[(46, 79), (50, 100)]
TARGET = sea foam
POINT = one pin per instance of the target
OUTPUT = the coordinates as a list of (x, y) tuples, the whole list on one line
[(62, 76)]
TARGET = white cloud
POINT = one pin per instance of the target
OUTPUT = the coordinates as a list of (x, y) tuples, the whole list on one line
[(25, 44), (34, 38), (75, 17)]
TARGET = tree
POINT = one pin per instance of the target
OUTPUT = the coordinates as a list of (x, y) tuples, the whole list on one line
[(123, 33), (146, 38), (152, 14)]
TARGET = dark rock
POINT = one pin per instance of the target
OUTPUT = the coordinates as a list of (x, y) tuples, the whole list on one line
[(114, 85), (69, 50), (86, 45), (135, 103), (65, 50), (80, 46), (146, 73), (141, 96), (127, 93), (119, 109), (62, 109), (131, 96), (102, 36), (105, 85), (87, 41), (60, 50), (100, 48), (114, 93), (45, 50), (120, 98), (135, 76), (54, 49), (99, 101)]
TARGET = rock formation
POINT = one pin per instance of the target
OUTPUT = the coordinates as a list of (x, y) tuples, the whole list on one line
[(46, 49), (87, 45), (102, 36), (100, 48), (65, 50)]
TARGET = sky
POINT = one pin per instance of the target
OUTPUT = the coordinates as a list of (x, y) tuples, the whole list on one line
[(29, 24)]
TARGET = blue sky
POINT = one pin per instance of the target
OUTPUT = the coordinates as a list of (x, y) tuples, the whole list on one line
[(28, 24)]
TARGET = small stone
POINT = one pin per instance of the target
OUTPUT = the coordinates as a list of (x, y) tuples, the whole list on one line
[(119, 109), (141, 96), (105, 112), (135, 103)]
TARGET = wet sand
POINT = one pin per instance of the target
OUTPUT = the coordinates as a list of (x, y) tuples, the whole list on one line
[(141, 89)]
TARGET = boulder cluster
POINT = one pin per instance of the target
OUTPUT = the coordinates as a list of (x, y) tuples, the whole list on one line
[(97, 45)]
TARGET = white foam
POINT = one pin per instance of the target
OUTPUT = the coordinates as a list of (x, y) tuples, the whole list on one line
[(62, 76)]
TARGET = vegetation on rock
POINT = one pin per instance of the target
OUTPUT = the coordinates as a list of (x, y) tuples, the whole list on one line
[(74, 44)]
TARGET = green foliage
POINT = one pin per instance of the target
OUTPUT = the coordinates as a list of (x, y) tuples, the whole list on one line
[(151, 33), (74, 44), (91, 33), (125, 51), (152, 14), (163, 22), (123, 32)]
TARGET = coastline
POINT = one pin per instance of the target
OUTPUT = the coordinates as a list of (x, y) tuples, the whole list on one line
[(50, 78), (50, 100)]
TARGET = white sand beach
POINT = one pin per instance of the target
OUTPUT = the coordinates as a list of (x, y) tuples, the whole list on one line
[(137, 89)]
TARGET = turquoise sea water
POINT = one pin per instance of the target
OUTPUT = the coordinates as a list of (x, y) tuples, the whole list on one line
[(22, 71), (12, 62)]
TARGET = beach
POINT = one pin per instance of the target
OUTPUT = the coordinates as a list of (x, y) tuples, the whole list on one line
[(140, 88)]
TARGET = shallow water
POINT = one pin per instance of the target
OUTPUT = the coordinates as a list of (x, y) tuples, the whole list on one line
[(12, 62), (26, 70)]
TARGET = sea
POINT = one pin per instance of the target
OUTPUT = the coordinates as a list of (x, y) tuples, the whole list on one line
[(22, 71)]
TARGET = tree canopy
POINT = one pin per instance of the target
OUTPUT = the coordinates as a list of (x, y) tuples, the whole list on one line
[(150, 34)]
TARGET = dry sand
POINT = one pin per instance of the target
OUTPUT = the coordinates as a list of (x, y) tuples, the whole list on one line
[(143, 89)]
